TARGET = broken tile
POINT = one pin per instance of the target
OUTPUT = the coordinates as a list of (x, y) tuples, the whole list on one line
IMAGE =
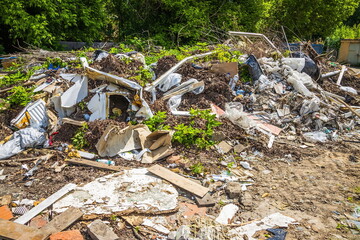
[(67, 235), (5, 213)]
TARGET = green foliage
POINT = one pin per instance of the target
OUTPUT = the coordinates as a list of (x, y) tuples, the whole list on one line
[(197, 168), (304, 19), (42, 23), (11, 79), (170, 22), (144, 76), (20, 96), (82, 105), (78, 140), (156, 122), (189, 135), (56, 62), (342, 32)]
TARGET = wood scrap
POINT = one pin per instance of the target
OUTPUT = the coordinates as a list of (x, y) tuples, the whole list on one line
[(178, 180), (45, 204), (94, 164)]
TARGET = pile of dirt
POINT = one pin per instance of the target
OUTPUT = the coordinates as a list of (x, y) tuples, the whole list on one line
[(164, 64), (112, 65)]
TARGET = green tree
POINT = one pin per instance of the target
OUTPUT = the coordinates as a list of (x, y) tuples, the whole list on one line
[(43, 22), (185, 21), (309, 19)]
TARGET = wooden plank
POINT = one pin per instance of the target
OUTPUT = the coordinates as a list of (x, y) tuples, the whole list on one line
[(94, 164), (178, 180), (62, 221), (12, 230), (343, 69), (45, 204), (73, 122)]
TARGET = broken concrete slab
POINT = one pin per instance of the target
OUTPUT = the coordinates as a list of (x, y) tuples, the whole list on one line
[(132, 190), (98, 230)]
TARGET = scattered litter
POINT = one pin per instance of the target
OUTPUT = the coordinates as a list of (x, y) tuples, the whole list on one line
[(276, 219)]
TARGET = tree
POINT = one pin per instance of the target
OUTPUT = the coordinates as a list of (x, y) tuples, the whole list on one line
[(43, 22), (185, 21), (310, 19)]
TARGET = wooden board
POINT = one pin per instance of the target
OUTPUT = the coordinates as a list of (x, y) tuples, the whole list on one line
[(45, 204), (178, 180), (94, 164), (61, 222), (12, 230)]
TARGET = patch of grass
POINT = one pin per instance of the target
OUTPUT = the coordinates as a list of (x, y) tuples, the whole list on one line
[(197, 168)]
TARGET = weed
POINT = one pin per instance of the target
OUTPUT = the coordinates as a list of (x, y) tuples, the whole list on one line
[(55, 63), (221, 203), (197, 168), (143, 76), (230, 165), (113, 218), (82, 105), (78, 140), (190, 135), (156, 122), (14, 78), (20, 96)]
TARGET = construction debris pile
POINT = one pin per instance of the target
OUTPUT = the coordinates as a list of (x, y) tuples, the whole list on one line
[(96, 143)]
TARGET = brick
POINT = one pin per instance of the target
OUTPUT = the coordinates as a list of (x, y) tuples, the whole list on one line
[(38, 221), (98, 230), (190, 210), (5, 213), (67, 235)]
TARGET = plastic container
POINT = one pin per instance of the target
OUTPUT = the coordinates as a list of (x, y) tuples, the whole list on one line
[(108, 162)]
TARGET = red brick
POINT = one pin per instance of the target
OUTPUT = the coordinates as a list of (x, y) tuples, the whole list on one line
[(38, 221), (67, 235), (5, 213)]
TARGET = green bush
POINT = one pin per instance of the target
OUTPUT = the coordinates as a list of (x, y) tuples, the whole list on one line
[(20, 96), (156, 122)]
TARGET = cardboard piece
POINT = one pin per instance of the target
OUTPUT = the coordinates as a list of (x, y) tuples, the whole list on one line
[(93, 164), (225, 68), (116, 140), (159, 143)]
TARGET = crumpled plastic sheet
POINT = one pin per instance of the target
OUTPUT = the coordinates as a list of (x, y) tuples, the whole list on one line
[(22, 139), (172, 80)]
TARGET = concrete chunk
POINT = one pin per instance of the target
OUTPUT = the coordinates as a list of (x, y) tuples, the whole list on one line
[(98, 230)]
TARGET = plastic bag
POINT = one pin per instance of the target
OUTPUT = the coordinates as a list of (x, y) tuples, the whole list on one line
[(24, 138), (173, 79), (315, 136)]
